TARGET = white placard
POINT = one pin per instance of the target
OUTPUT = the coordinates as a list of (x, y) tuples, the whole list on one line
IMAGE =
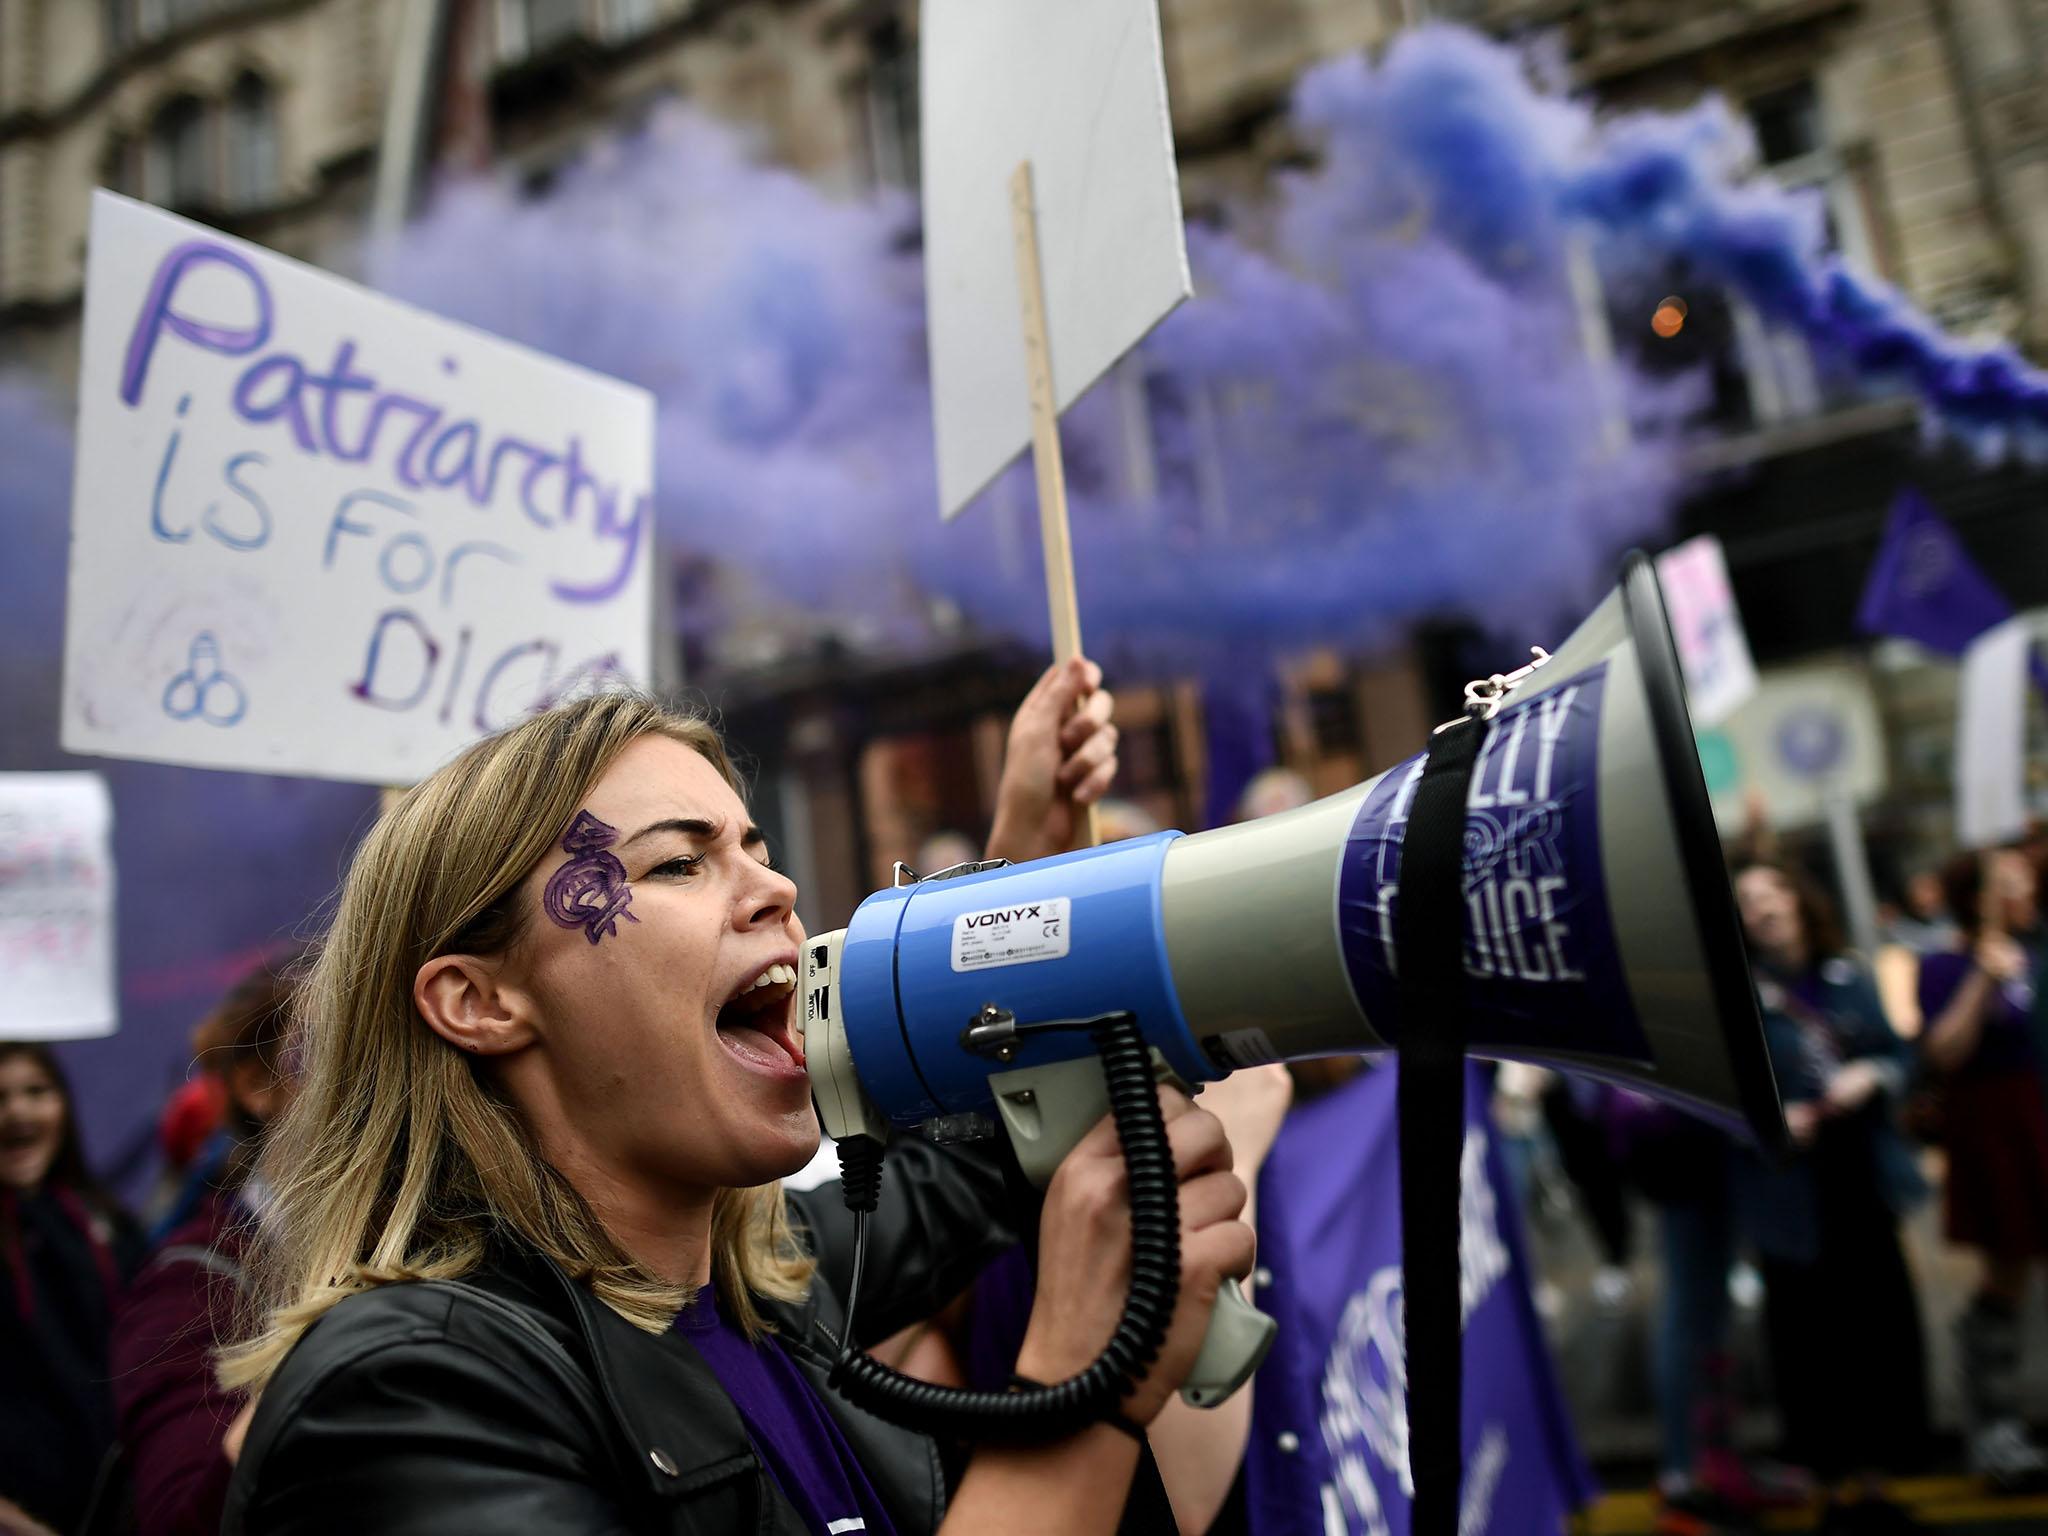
[(1809, 735), (1720, 676), (315, 531), (1991, 736), (1078, 88), (56, 907)]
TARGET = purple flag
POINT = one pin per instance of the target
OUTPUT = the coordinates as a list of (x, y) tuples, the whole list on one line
[(1924, 586), (1329, 1444)]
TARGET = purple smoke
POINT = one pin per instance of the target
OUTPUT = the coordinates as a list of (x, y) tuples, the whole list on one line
[(1502, 160)]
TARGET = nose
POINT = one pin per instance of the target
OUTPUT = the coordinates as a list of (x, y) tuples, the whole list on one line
[(770, 898)]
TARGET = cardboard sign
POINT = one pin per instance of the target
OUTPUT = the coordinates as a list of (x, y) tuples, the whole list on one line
[(1991, 736), (1720, 675), (317, 532), (1810, 735), (1078, 88), (56, 907)]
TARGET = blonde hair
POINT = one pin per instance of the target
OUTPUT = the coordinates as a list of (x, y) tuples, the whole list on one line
[(396, 1159)]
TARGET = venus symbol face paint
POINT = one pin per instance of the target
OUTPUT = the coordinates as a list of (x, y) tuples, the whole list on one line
[(590, 891)]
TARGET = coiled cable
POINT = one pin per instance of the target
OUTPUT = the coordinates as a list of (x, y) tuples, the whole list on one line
[(1055, 1411)]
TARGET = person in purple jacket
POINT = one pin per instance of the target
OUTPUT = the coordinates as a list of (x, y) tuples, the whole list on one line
[(173, 1418), (1975, 1001)]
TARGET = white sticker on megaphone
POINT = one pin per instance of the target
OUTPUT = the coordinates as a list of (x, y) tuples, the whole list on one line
[(1012, 935)]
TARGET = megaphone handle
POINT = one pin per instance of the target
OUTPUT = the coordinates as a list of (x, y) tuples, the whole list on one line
[(1046, 1111), (1239, 1336)]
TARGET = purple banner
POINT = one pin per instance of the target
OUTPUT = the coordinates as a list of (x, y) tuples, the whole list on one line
[(1329, 1444)]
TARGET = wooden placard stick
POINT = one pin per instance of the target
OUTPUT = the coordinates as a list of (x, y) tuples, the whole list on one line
[(1049, 467)]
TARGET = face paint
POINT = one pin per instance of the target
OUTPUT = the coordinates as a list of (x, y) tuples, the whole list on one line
[(590, 891)]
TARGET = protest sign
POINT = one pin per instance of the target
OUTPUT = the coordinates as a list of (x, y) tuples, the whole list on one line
[(1991, 736), (1720, 675), (1808, 735), (1076, 89), (315, 531), (56, 907)]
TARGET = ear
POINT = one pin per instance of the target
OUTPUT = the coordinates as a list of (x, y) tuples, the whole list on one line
[(468, 1002)]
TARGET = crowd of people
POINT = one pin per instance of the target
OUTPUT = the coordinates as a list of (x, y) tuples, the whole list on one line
[(1939, 1072), (448, 1136)]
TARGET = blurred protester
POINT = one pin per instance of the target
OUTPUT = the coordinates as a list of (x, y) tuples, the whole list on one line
[(1682, 1166), (1990, 1114), (1920, 920), (1843, 1319), (172, 1416), (1573, 1114), (65, 1250)]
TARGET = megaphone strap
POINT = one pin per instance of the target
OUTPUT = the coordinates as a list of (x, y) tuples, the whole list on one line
[(1429, 939)]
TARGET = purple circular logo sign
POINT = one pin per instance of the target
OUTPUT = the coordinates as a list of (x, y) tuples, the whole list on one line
[(1811, 740)]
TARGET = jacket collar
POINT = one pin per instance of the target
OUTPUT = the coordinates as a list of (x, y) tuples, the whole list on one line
[(668, 1412)]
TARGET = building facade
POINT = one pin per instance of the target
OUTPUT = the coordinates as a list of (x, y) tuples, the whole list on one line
[(1923, 121)]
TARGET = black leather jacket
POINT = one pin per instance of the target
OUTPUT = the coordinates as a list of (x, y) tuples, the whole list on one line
[(515, 1400)]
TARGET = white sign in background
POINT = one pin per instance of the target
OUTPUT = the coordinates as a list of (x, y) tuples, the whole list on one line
[(56, 907), (1720, 675), (316, 531), (1991, 736), (1808, 734), (1078, 88)]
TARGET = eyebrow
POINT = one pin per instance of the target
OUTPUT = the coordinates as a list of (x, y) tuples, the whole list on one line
[(697, 827)]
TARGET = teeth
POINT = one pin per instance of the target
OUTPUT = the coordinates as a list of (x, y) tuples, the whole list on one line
[(775, 975)]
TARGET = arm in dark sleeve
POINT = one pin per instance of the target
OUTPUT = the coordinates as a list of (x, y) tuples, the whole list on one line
[(415, 1433), (171, 1414), (943, 1215)]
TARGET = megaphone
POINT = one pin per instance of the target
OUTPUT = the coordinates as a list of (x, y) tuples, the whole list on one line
[(1600, 934)]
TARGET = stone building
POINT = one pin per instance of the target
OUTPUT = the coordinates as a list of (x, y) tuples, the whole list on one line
[(1923, 120)]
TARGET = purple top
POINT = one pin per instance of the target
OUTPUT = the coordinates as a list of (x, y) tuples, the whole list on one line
[(792, 1432), (2007, 1043)]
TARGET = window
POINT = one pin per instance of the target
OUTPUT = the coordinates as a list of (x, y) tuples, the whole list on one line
[(178, 171), (117, 24), (251, 143), (1787, 122), (527, 27), (892, 107), (623, 20)]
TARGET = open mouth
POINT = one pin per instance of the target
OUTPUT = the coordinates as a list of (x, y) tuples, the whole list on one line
[(756, 1021)]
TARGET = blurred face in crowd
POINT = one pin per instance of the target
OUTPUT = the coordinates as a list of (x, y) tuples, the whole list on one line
[(2010, 878), (31, 1122), (1770, 915), (657, 976), (1923, 895)]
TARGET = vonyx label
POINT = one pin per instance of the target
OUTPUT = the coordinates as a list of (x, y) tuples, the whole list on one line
[(1012, 935)]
